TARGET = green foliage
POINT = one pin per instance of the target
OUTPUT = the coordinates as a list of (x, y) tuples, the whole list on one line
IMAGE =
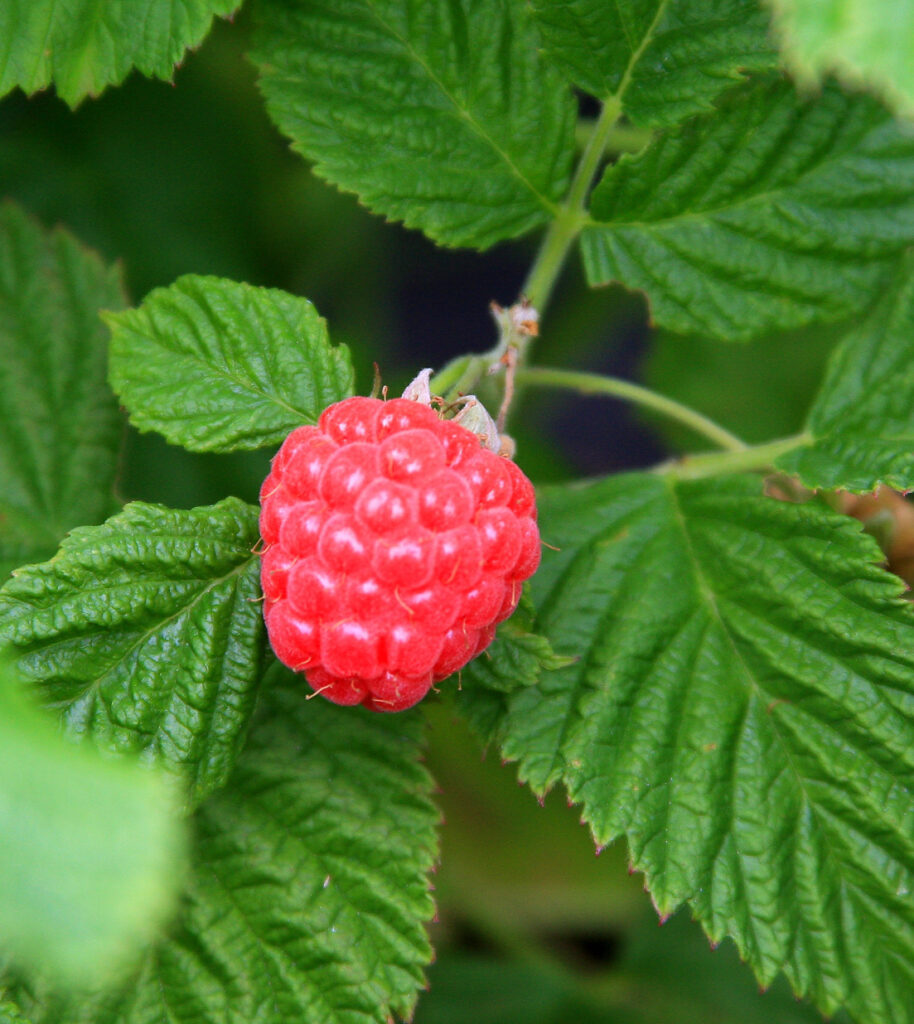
[(517, 656), (859, 39), (862, 423), (59, 427), (770, 214), (82, 47), (741, 712), (438, 114), (694, 986), (91, 851), (146, 634), (759, 390), (254, 363), (665, 59), (722, 679), (309, 891), (9, 1014)]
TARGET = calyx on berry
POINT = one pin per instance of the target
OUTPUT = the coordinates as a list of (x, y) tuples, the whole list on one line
[(395, 542)]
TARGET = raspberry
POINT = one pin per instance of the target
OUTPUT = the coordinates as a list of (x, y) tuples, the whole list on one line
[(394, 542)]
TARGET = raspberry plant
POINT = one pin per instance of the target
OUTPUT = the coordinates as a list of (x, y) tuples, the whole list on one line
[(714, 660)]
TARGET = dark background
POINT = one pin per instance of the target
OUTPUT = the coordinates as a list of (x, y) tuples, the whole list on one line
[(191, 177)]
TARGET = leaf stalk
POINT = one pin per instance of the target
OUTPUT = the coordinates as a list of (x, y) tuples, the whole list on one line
[(756, 458), (599, 384)]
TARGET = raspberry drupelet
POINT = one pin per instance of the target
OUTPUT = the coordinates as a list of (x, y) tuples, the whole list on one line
[(394, 544)]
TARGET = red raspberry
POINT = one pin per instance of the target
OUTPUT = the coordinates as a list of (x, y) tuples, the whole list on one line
[(394, 542)]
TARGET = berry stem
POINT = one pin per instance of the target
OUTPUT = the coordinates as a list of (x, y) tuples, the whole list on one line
[(598, 384)]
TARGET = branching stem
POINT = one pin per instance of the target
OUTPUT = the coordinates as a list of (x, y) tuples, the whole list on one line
[(756, 458), (565, 228), (598, 384)]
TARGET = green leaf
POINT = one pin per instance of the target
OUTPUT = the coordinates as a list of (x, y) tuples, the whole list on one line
[(90, 855), (216, 366), (145, 633), (310, 891), (9, 1014), (82, 46), (440, 114), (664, 59), (59, 425), (517, 657), (743, 712), (769, 215), (861, 426), (858, 39)]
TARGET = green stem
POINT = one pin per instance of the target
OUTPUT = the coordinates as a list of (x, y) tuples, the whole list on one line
[(597, 384), (623, 138), (628, 138), (759, 457), (567, 224)]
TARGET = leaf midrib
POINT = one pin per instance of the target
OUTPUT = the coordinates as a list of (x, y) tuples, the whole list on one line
[(91, 691), (219, 373), (465, 114), (706, 591)]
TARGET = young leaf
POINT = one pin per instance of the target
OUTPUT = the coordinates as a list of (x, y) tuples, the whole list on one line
[(90, 853), (861, 426), (858, 39), (664, 59), (516, 657), (82, 46), (217, 366), (146, 634), (743, 712), (440, 114), (309, 894), (770, 214), (59, 425)]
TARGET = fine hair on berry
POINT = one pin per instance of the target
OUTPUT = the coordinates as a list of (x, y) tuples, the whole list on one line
[(394, 543)]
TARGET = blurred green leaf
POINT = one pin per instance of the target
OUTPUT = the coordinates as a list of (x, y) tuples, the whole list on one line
[(309, 895), (90, 856), (471, 989), (864, 41), (665, 59), (557, 885), (146, 634), (742, 713), (9, 1014), (253, 364), (861, 426), (671, 973), (759, 390), (439, 114), (59, 426), (82, 46), (766, 215)]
